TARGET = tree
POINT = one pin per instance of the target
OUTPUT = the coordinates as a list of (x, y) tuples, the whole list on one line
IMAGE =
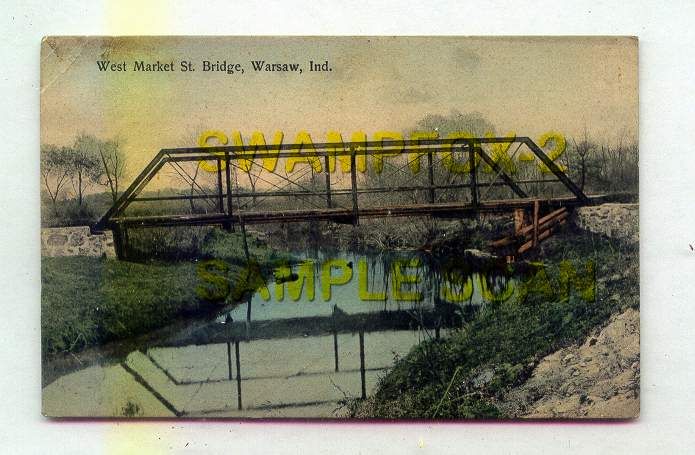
[(472, 123), (192, 185), (196, 181), (582, 149), (85, 166), (55, 171), (114, 165)]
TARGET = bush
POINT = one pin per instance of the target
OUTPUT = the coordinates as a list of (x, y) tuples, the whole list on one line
[(462, 375)]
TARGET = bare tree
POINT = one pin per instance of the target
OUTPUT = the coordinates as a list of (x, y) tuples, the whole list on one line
[(114, 163), (193, 185), (55, 171), (197, 182), (583, 149), (84, 165)]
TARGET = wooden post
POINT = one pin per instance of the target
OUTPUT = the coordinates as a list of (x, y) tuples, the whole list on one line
[(364, 385), (353, 177), (328, 182), (229, 225), (118, 241), (536, 209), (238, 374), (430, 169), (518, 220)]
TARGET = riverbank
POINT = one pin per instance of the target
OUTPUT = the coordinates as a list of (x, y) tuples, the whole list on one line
[(389, 234), (596, 379), (467, 374), (491, 350), (89, 301)]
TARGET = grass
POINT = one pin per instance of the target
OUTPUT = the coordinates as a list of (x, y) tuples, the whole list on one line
[(89, 301), (462, 375)]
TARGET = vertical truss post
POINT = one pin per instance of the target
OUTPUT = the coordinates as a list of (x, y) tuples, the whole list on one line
[(238, 374), (228, 326), (353, 178), (430, 169), (362, 369), (220, 197), (247, 325), (328, 182), (335, 336), (119, 241), (228, 178)]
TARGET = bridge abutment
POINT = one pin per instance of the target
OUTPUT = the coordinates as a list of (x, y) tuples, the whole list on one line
[(76, 241)]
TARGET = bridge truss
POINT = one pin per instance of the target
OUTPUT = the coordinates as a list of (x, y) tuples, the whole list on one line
[(342, 182)]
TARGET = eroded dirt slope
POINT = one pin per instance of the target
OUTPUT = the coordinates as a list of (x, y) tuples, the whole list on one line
[(598, 379)]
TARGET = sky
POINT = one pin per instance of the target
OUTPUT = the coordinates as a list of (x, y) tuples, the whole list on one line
[(520, 84)]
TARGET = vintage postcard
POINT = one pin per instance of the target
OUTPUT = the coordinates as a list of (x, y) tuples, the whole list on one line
[(340, 227)]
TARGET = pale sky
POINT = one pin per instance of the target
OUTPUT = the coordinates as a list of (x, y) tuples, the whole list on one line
[(526, 85)]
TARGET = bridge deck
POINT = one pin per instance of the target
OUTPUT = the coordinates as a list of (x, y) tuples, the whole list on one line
[(343, 215)]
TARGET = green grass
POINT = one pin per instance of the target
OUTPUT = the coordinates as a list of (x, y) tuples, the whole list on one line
[(87, 301), (441, 378)]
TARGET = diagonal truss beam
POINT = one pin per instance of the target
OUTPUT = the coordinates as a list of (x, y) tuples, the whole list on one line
[(419, 146)]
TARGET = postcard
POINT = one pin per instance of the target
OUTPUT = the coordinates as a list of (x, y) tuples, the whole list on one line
[(427, 228)]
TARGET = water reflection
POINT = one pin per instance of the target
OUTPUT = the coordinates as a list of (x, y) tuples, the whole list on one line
[(322, 283)]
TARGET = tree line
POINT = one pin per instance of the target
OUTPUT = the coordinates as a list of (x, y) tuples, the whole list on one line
[(69, 171)]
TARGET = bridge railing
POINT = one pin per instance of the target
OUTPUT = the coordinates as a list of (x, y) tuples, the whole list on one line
[(336, 181)]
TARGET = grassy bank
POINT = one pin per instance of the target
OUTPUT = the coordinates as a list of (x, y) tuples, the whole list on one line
[(89, 301), (462, 375)]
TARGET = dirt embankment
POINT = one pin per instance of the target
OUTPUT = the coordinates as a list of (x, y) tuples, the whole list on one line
[(598, 379)]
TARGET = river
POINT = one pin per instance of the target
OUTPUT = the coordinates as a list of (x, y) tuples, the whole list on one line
[(322, 329)]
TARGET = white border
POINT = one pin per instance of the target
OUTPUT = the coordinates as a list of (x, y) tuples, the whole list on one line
[(667, 72)]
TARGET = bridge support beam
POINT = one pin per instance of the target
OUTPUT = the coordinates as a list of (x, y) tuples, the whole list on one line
[(472, 149), (329, 204), (430, 169), (116, 215), (353, 178), (220, 197), (228, 225), (120, 240)]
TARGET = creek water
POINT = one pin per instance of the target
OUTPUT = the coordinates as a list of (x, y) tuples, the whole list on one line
[(304, 370), (357, 283)]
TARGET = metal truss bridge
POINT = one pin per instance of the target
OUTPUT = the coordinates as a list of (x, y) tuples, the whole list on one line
[(348, 181)]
